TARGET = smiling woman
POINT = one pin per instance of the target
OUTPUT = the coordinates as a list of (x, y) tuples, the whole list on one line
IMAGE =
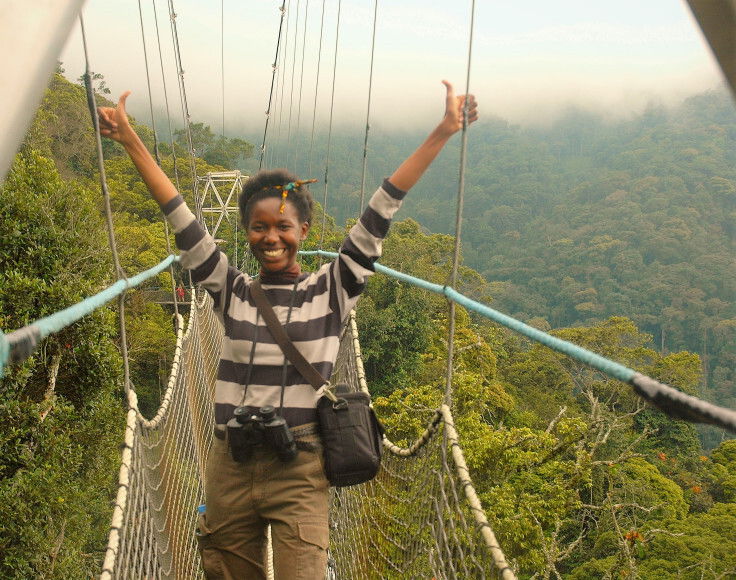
[(244, 492), (274, 236)]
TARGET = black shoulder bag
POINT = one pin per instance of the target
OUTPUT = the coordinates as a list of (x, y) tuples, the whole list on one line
[(351, 433)]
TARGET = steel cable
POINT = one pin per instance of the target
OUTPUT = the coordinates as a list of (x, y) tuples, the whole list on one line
[(274, 68), (368, 110), (329, 131), (458, 219)]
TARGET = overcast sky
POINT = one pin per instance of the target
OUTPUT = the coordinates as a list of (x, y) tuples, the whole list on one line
[(529, 59)]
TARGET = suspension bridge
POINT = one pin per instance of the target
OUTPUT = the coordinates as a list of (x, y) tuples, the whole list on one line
[(421, 517)]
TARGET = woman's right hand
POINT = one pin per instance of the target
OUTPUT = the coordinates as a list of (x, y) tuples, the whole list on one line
[(115, 125), (114, 122)]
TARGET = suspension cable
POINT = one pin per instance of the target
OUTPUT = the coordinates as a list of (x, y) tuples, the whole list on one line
[(156, 151), (291, 90), (186, 117), (301, 85), (92, 105), (281, 86), (459, 218), (120, 273), (222, 134), (274, 68), (172, 143), (316, 85), (185, 108), (222, 64), (329, 131), (166, 100), (368, 110), (148, 84)]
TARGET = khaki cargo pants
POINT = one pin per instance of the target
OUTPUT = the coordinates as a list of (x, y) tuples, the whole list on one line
[(242, 498)]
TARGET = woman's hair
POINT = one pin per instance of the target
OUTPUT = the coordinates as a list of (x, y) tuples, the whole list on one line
[(263, 184)]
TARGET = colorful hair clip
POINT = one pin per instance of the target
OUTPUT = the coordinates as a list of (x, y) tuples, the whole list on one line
[(285, 189)]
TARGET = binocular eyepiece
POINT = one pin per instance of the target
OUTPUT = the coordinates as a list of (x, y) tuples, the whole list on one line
[(246, 431)]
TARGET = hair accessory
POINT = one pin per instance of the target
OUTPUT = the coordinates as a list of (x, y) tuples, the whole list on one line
[(285, 189)]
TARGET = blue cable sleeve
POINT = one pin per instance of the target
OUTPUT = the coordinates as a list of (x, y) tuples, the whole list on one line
[(611, 368), (4, 352), (43, 327), (63, 318)]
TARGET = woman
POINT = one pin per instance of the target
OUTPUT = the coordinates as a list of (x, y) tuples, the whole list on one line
[(242, 497)]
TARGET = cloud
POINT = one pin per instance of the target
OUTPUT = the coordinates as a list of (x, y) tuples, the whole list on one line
[(528, 60)]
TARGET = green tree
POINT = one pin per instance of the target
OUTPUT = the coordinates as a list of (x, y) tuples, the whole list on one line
[(215, 149), (61, 421)]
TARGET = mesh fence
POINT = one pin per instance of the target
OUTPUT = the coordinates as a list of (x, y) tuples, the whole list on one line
[(163, 477), (412, 521)]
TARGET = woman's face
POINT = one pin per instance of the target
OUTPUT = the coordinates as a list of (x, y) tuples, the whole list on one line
[(274, 237)]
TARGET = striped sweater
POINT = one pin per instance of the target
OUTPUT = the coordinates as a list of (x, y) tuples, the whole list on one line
[(322, 301)]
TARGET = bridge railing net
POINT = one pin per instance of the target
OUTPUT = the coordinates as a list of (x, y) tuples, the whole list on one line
[(168, 454), (411, 521)]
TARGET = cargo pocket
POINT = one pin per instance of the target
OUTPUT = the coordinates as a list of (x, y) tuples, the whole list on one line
[(208, 552), (312, 557)]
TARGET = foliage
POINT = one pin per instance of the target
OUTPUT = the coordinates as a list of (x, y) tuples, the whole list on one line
[(722, 472), (57, 447), (93, 76), (54, 509), (61, 420), (694, 547), (579, 479), (215, 149), (151, 350), (50, 261), (394, 333)]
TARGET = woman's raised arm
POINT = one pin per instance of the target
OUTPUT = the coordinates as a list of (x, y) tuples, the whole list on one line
[(115, 125)]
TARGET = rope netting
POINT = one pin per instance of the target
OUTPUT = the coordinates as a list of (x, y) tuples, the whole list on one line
[(160, 487), (419, 518), (413, 521)]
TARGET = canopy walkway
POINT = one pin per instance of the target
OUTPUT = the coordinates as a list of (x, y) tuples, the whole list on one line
[(420, 518)]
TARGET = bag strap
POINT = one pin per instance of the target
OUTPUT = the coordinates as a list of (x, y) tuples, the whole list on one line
[(279, 334)]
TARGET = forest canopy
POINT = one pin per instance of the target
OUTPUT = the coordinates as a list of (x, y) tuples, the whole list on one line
[(615, 236)]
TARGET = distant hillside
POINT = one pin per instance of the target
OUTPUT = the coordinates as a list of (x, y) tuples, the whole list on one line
[(589, 220)]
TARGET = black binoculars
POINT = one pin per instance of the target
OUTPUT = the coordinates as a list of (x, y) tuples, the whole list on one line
[(246, 431)]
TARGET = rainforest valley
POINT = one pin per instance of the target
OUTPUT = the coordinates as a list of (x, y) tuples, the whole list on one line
[(615, 235)]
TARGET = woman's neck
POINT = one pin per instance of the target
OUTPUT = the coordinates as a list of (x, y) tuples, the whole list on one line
[(284, 276)]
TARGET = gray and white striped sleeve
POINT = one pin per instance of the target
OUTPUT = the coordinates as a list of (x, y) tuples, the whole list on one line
[(198, 251), (364, 243)]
